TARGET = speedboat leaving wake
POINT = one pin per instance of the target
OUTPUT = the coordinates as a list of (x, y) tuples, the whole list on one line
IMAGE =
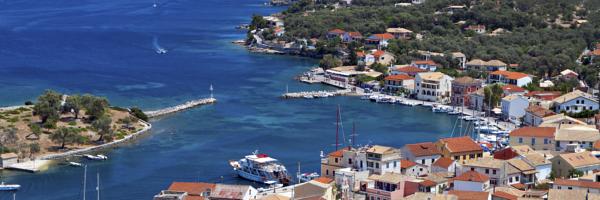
[(157, 47)]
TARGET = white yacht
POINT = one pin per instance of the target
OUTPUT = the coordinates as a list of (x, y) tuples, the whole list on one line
[(9, 187), (261, 168)]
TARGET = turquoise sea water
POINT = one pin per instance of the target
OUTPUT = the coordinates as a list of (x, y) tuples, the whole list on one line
[(108, 48)]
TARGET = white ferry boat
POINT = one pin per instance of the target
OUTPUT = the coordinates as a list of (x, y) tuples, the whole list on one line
[(261, 168)]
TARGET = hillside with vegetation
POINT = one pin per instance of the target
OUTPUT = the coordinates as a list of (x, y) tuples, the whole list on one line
[(542, 37), (58, 123)]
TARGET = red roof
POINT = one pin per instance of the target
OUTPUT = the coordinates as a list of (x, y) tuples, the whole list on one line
[(192, 188), (539, 111), (424, 62), (354, 34), (547, 132), (411, 69), (470, 195), (427, 183), (383, 36), (505, 154), (443, 162), (423, 149), (460, 144), (323, 180), (504, 195), (399, 77), (544, 95), (337, 31), (578, 183), (472, 176), (512, 88), (597, 145), (378, 53), (595, 52), (510, 75), (406, 164), (338, 153), (360, 54)]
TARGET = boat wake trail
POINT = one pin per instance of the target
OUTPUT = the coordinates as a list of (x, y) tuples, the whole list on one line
[(157, 47)]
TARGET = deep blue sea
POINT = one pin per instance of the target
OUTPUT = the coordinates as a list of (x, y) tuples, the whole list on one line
[(108, 48)]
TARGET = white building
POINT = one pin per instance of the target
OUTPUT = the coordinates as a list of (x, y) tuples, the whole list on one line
[(425, 153), (471, 181), (433, 86), (513, 107), (575, 102), (584, 135), (507, 77)]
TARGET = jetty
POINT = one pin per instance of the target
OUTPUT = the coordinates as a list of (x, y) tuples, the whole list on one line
[(181, 107)]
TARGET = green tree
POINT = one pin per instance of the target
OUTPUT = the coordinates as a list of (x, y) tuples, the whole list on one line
[(97, 108), (34, 148), (137, 112), (64, 136), (48, 106), (329, 61), (573, 173), (73, 104), (9, 136), (493, 94), (102, 127)]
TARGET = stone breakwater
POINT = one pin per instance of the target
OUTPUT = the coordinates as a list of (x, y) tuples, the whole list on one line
[(181, 107)]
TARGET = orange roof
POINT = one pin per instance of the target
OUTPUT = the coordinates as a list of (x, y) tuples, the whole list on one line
[(323, 180), (424, 62), (406, 164), (544, 95), (337, 31), (428, 183), (410, 69), (399, 77), (193, 188), (519, 186), (510, 75), (443, 162), (383, 36), (460, 144), (547, 132), (338, 153), (360, 54), (472, 176), (597, 144), (378, 53), (354, 34), (470, 195), (578, 183), (512, 88), (595, 52), (423, 149), (505, 195)]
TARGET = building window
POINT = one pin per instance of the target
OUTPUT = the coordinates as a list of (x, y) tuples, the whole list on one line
[(532, 141), (361, 164), (520, 140), (377, 165), (387, 165), (432, 160), (326, 172), (336, 160), (423, 161), (487, 171), (472, 169), (493, 171), (517, 178), (395, 164), (456, 157), (350, 161), (545, 140)]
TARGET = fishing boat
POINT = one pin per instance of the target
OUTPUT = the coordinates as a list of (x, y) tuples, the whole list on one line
[(9, 187), (75, 164), (486, 128), (261, 168)]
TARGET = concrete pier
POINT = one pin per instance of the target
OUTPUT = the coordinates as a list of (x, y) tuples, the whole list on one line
[(177, 108), (318, 94)]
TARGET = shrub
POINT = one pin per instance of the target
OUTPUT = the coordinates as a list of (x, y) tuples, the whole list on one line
[(13, 119), (72, 123), (137, 112)]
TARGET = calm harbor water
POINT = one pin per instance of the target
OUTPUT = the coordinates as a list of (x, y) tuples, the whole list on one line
[(109, 48)]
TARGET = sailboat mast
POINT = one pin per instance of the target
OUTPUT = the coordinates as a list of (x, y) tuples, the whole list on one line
[(98, 186), (337, 128), (84, 180)]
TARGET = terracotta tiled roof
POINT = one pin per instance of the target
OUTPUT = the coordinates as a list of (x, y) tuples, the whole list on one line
[(547, 132), (580, 159), (423, 149), (595, 52), (519, 186), (378, 53), (505, 154), (360, 54), (460, 144), (354, 34), (512, 88), (597, 144), (382, 36), (504, 195), (424, 62), (539, 111), (544, 95), (399, 77), (324, 180), (578, 183), (411, 69), (406, 164), (427, 183), (337, 31), (472, 176), (443, 162), (338, 153), (193, 188), (510, 75), (465, 80), (470, 195)]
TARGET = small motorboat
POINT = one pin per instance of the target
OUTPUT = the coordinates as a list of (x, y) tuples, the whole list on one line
[(9, 187), (75, 164), (96, 157), (305, 177), (308, 97)]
